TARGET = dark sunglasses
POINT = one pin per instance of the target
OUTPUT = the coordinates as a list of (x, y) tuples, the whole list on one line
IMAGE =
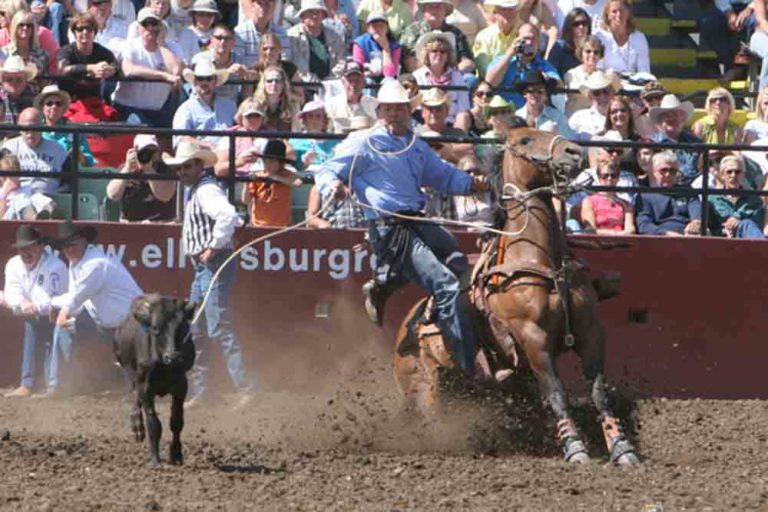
[(484, 94), (718, 99), (614, 151), (580, 23), (204, 78), (53, 103), (83, 28), (537, 90), (667, 170), (223, 38), (25, 25), (602, 92)]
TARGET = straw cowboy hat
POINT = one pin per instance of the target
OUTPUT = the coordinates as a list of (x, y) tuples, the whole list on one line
[(190, 149), (312, 5), (669, 103), (392, 91), (206, 6), (52, 90), (205, 68), (436, 35), (27, 236), (497, 103), (446, 3), (67, 230), (599, 80), (15, 64), (435, 97)]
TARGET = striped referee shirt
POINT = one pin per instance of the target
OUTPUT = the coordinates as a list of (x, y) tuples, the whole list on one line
[(209, 219)]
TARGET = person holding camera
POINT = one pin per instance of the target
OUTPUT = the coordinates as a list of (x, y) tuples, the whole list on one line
[(522, 57), (144, 200)]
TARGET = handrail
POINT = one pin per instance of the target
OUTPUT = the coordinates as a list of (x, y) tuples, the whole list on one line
[(77, 131)]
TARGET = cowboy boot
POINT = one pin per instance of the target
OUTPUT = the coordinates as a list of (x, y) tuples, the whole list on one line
[(376, 296)]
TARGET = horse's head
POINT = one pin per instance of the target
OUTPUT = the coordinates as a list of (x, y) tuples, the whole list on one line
[(534, 159)]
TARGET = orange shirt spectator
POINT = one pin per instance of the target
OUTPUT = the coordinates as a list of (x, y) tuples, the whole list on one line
[(270, 201)]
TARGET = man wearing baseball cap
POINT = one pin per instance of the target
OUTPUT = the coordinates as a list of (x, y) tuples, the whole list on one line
[(144, 200), (343, 107)]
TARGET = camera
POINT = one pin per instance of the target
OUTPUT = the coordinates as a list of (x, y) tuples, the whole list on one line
[(524, 48)]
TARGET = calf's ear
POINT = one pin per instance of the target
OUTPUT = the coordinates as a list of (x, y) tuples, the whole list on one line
[(141, 310), (189, 307)]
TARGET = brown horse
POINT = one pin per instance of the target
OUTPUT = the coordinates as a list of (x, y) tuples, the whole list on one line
[(535, 298)]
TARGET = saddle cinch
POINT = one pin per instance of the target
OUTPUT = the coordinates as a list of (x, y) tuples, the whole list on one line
[(483, 280)]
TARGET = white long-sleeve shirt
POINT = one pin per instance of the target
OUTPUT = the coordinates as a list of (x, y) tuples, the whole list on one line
[(102, 285), (633, 57), (38, 284)]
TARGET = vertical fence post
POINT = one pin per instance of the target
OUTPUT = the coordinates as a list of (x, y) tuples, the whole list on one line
[(75, 184), (231, 173), (705, 193)]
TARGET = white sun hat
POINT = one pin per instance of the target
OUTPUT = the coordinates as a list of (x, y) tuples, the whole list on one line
[(204, 68), (312, 5), (599, 80)]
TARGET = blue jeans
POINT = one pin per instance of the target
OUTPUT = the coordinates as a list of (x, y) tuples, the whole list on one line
[(38, 334), (431, 258), (748, 228), (218, 324), (62, 350)]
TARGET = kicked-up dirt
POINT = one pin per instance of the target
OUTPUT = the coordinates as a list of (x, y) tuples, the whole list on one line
[(353, 448)]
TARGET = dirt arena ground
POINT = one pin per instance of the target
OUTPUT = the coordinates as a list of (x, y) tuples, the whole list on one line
[(350, 447)]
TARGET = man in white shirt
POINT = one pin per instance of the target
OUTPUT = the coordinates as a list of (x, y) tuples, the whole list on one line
[(36, 154), (343, 107), (101, 286), (112, 31), (32, 277), (600, 88), (249, 31), (209, 224)]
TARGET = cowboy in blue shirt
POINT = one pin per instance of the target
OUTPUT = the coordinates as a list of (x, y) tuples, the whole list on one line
[(386, 168)]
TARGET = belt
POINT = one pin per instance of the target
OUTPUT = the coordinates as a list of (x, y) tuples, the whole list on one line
[(391, 221)]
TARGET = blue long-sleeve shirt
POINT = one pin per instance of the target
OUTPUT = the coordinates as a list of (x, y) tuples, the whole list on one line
[(390, 182), (658, 213)]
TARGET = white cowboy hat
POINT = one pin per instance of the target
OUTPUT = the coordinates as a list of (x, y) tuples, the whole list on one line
[(147, 13), (189, 149), (446, 3), (490, 5), (599, 80), (205, 6), (435, 35), (52, 90), (312, 5), (612, 136), (392, 91), (203, 68), (15, 64), (435, 97), (669, 103)]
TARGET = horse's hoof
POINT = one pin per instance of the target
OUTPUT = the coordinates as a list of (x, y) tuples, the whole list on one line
[(576, 452), (628, 459), (154, 464), (579, 458)]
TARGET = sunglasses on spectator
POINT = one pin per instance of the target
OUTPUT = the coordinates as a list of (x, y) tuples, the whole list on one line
[(220, 37), (273, 80), (622, 110), (718, 99), (53, 103), (14, 79), (484, 94), (609, 176), (204, 78), (602, 92), (614, 151), (83, 28), (667, 170), (580, 23), (535, 90), (25, 25)]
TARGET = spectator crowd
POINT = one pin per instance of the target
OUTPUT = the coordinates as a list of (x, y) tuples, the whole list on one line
[(312, 67)]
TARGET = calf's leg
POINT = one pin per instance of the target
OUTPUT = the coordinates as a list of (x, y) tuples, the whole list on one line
[(154, 428), (177, 421)]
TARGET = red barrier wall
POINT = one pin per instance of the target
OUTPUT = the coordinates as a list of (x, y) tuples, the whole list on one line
[(686, 325)]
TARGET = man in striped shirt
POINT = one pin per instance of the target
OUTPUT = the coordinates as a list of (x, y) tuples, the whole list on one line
[(209, 223)]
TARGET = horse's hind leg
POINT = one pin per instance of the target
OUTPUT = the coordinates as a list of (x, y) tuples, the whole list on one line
[(592, 351), (177, 422), (542, 363)]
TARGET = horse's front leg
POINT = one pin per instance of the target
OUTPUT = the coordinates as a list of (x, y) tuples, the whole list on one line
[(177, 420), (591, 348), (154, 428), (536, 347)]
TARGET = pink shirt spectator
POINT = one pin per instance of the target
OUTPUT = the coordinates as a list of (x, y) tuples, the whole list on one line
[(609, 211), (47, 43), (387, 70)]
